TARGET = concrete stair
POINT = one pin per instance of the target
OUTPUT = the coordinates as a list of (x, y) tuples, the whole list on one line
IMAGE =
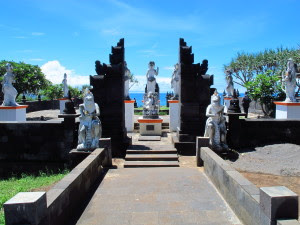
[(151, 156)]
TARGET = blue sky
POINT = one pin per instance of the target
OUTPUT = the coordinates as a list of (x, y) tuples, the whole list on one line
[(69, 35)]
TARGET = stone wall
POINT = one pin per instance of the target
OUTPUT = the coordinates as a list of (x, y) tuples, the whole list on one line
[(25, 144), (40, 105), (255, 132)]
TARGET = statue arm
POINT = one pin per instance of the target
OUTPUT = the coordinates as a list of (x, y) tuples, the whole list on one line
[(208, 112), (81, 109), (157, 71), (97, 109)]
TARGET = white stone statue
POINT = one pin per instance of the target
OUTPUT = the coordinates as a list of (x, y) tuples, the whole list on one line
[(127, 80), (151, 81), (10, 93), (90, 129), (175, 81), (289, 79), (229, 81), (151, 105), (215, 127), (65, 86)]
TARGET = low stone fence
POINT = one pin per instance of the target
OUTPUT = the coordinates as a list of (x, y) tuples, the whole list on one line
[(252, 205), (61, 203), (40, 105), (24, 145), (256, 132)]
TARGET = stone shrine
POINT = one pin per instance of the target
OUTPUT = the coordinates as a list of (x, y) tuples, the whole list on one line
[(108, 91), (175, 82), (215, 127), (290, 108), (89, 131), (194, 97), (150, 122), (10, 110)]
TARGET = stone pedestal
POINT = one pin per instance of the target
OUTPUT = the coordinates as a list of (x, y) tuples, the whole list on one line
[(150, 127), (26, 208), (129, 115), (13, 113), (287, 110), (174, 114), (226, 103), (62, 102)]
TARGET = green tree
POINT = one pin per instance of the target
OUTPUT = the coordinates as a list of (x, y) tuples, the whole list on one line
[(53, 91), (132, 80), (29, 78), (246, 66), (265, 88), (75, 92)]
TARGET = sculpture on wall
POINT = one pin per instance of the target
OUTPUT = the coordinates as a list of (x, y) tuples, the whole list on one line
[(65, 86), (175, 81), (10, 93), (229, 81), (90, 129), (126, 81), (151, 81), (289, 79), (215, 127)]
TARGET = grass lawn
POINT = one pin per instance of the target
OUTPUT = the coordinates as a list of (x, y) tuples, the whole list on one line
[(11, 186)]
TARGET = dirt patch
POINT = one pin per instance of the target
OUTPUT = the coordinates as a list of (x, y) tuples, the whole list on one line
[(44, 188), (267, 180)]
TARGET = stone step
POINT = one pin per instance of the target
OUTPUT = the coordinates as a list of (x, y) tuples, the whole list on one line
[(151, 147), (134, 164), (153, 151), (151, 157)]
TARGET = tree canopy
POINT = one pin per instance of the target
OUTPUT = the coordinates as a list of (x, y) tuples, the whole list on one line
[(246, 66), (29, 78)]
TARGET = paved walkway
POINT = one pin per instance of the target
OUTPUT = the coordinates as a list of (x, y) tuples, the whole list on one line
[(157, 196)]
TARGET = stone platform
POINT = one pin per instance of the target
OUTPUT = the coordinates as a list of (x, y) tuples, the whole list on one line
[(157, 196)]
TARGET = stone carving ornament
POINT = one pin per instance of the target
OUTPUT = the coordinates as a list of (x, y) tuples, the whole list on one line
[(151, 81), (127, 80), (289, 79), (90, 129), (151, 105), (10, 93), (215, 127), (65, 86), (229, 81), (175, 81)]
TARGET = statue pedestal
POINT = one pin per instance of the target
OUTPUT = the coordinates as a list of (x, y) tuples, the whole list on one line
[(129, 115), (174, 114), (150, 127), (62, 102), (13, 113), (226, 103), (287, 110)]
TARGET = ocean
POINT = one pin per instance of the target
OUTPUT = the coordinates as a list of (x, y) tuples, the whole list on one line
[(140, 96)]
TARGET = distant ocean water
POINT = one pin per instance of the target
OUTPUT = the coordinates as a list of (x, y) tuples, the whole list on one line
[(140, 96)]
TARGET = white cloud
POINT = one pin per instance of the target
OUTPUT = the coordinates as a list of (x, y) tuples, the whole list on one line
[(54, 72), (37, 33)]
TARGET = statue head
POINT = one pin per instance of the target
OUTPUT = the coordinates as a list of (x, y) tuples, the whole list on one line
[(228, 72), (88, 101), (151, 64), (215, 98), (65, 76), (8, 67), (176, 66)]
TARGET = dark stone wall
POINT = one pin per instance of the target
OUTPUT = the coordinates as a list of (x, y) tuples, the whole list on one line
[(40, 105), (108, 91), (194, 95), (30, 143), (257, 132)]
